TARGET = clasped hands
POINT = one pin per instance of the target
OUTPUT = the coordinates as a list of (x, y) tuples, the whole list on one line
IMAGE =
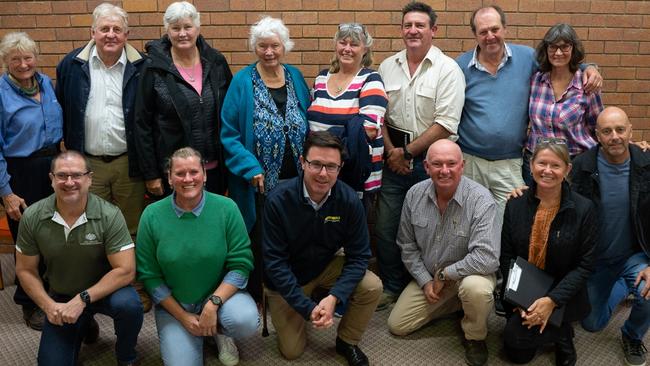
[(538, 313), (322, 316)]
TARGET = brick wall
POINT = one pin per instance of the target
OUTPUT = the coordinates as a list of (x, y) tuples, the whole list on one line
[(616, 33)]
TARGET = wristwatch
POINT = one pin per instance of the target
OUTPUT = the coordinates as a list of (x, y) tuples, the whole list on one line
[(407, 154), (85, 297), (441, 275), (216, 300)]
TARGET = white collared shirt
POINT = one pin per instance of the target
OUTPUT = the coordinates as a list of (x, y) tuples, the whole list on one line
[(104, 129), (476, 63), (435, 93)]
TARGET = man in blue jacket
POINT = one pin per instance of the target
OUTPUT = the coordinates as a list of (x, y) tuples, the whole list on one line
[(96, 86), (307, 220), (615, 175)]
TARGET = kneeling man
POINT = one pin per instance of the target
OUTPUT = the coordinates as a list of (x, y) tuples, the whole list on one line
[(307, 219), (90, 261), (449, 235)]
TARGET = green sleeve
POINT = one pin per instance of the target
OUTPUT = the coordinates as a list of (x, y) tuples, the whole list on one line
[(240, 256), (149, 272), (116, 235), (26, 242)]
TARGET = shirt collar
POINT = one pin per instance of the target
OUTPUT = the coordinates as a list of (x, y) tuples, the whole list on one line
[(196, 211), (576, 82), (315, 205), (94, 57), (474, 61), (458, 194), (431, 55)]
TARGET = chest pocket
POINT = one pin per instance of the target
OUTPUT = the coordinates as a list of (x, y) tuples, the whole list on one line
[(426, 102)]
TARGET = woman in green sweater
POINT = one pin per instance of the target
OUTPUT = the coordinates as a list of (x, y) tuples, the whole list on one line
[(194, 257)]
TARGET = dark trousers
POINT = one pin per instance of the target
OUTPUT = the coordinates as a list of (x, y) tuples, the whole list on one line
[(521, 343), (30, 181), (60, 344)]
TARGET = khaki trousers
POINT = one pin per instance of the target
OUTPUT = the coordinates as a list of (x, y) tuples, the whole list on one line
[(111, 182), (290, 325), (473, 294)]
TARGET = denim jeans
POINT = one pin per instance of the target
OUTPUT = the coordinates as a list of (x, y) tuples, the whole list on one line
[(392, 272), (60, 344), (237, 317), (610, 285)]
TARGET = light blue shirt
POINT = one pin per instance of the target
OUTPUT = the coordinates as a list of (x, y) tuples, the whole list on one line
[(26, 125)]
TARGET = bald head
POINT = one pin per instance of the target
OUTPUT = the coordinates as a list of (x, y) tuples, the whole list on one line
[(444, 164), (614, 131)]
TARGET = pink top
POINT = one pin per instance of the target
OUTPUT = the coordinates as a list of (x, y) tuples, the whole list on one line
[(193, 75)]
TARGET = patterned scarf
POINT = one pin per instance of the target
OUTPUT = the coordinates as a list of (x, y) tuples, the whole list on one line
[(269, 128)]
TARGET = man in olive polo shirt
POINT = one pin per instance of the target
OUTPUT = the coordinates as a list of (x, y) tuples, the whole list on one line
[(90, 262)]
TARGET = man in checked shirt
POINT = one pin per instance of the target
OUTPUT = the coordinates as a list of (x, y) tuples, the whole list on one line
[(450, 237)]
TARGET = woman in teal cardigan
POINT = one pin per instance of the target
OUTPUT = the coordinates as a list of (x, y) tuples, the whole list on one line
[(264, 119)]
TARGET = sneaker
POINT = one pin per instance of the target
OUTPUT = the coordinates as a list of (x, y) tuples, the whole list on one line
[(634, 351), (228, 353), (476, 353), (385, 301), (34, 317)]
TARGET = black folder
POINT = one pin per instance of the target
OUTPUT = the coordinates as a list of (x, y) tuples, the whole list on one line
[(527, 283), (399, 137)]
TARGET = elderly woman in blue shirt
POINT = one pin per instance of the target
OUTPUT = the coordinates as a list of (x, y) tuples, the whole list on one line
[(31, 127)]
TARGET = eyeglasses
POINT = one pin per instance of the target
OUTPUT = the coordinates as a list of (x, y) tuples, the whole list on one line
[(317, 166), (63, 177), (566, 47), (357, 27), (551, 140)]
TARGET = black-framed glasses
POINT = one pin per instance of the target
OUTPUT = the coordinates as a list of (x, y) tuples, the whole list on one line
[(551, 140), (566, 47), (63, 177), (317, 166), (357, 27)]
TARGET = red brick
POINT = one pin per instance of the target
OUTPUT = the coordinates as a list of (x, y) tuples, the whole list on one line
[(69, 7), (617, 98), (641, 124), (247, 5), (605, 60), (374, 17), (525, 18), (387, 5), (536, 6), (452, 19), (138, 6), (84, 20), (293, 58), (468, 5), (507, 5), (306, 45), (228, 18), (552, 19), (579, 6), (302, 17), (46, 21), (386, 31), (622, 21), (254, 17), (333, 17), (635, 60), (10, 8), (211, 5), (145, 33), (319, 30), (633, 86), (35, 7), (55, 47), (47, 34), (381, 45), (454, 31), (316, 57), (154, 19), (309, 72), (605, 34), (644, 48), (230, 44), (242, 58), (636, 34), (641, 98), (621, 47), (19, 21), (284, 4), (531, 33), (625, 73), (355, 5), (609, 85), (643, 73), (163, 4), (213, 31), (593, 47), (608, 7), (321, 5), (295, 31), (448, 45), (636, 111)]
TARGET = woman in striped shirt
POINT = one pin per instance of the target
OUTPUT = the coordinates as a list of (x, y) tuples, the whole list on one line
[(349, 100)]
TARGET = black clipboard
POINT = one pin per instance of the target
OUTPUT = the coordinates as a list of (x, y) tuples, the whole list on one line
[(399, 137), (527, 283)]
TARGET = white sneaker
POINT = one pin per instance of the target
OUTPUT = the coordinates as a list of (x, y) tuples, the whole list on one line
[(228, 353)]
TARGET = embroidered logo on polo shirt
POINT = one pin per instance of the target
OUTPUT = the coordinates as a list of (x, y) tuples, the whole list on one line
[(332, 219), (90, 239)]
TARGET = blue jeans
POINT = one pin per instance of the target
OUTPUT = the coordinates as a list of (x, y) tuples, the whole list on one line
[(392, 272), (60, 344), (237, 318), (608, 286)]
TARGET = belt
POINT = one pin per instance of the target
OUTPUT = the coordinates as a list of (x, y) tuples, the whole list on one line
[(46, 151), (106, 158)]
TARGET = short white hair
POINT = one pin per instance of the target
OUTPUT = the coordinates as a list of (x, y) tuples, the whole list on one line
[(16, 41), (268, 27), (106, 10), (180, 10)]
